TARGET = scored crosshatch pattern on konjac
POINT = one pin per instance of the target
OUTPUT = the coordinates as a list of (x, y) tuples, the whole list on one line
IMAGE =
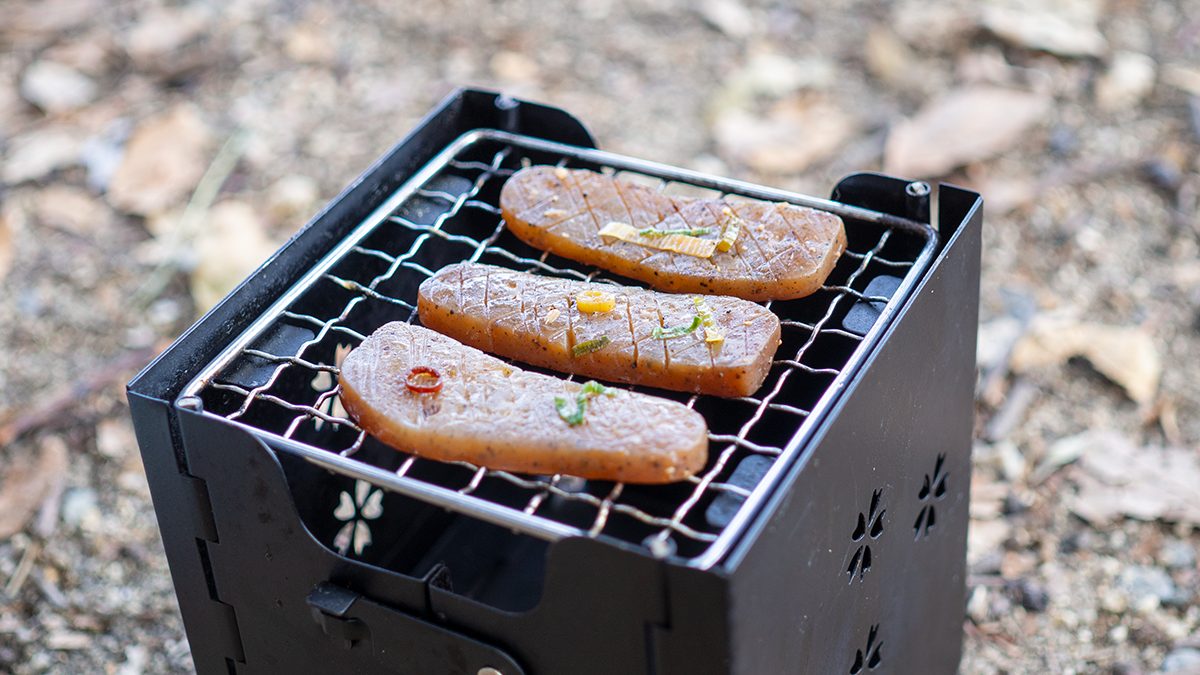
[(283, 381)]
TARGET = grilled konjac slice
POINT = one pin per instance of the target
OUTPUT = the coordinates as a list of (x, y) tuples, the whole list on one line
[(538, 320), (492, 414), (781, 251)]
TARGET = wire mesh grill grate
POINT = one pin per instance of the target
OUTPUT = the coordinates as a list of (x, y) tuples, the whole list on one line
[(282, 381)]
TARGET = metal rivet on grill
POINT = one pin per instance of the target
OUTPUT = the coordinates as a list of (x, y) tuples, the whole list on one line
[(190, 403), (917, 189)]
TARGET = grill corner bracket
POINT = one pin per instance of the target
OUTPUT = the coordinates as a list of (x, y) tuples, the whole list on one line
[(329, 605)]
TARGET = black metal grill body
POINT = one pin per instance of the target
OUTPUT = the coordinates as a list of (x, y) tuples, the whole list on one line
[(853, 562)]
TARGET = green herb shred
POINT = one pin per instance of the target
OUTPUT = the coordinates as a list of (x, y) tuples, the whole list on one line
[(589, 346), (660, 333), (696, 232), (572, 418), (590, 390)]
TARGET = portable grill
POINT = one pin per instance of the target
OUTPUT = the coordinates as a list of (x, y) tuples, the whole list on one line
[(826, 534)]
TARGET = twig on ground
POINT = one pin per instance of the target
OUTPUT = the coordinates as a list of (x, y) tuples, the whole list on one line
[(48, 412), (179, 239)]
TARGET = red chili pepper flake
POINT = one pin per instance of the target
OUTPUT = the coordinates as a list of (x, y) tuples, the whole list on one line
[(423, 380)]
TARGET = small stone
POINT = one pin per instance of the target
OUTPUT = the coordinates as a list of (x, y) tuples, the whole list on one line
[(729, 16), (310, 43), (114, 438), (68, 640), (79, 507), (978, 604), (1063, 141), (515, 67), (1163, 174), (56, 88), (1014, 505), (1146, 587), (1012, 462), (1118, 634), (1177, 554), (1032, 596), (1126, 82), (135, 661), (1184, 660), (1113, 601), (102, 153), (1063, 28), (985, 536)]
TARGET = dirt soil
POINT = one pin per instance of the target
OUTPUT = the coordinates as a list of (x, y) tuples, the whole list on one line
[(151, 154)]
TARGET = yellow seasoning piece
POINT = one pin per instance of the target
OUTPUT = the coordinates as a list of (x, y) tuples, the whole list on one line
[(731, 226), (712, 332), (675, 243), (594, 302)]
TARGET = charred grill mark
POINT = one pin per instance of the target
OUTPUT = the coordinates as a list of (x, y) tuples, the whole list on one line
[(490, 325), (632, 332), (570, 325), (666, 348), (632, 219), (747, 234), (586, 204)]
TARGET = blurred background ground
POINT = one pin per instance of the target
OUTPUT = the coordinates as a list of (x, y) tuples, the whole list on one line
[(1079, 121)]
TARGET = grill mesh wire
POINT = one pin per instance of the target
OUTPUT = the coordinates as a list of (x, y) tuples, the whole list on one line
[(284, 382)]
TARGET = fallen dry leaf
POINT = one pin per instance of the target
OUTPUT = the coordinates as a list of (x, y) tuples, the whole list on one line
[(35, 154), (1126, 355), (71, 208), (792, 136), (771, 76), (1005, 193), (162, 31), (1063, 28), (26, 483), (164, 159), (292, 199), (889, 59), (514, 67), (967, 125), (933, 27), (1118, 479), (28, 23), (230, 246)]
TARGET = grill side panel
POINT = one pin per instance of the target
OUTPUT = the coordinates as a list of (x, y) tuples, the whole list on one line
[(603, 609), (184, 522), (844, 572)]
